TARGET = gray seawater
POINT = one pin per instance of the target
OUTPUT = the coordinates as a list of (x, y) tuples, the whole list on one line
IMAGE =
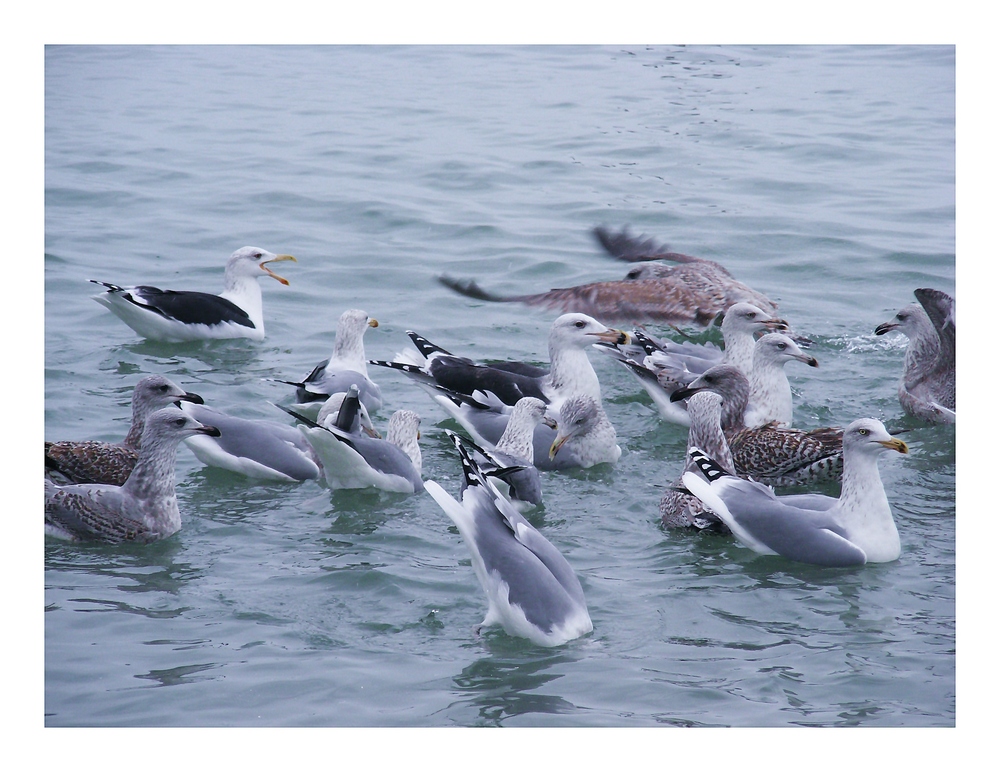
[(822, 176)]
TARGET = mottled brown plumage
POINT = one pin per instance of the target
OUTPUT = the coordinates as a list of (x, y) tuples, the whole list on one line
[(695, 291)]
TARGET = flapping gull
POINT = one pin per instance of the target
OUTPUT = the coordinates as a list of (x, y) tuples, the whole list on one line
[(679, 509), (170, 315), (694, 291), (511, 462), (531, 589), (358, 461), (662, 367), (851, 530), (927, 387), (770, 454), (144, 509), (90, 461), (347, 365)]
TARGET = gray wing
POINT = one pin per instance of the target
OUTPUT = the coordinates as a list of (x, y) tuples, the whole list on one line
[(271, 444), (806, 535), (383, 456)]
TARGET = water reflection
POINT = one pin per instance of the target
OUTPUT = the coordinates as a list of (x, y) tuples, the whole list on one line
[(504, 684)]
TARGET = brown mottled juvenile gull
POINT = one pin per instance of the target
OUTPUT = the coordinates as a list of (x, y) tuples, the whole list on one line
[(771, 454), (170, 315), (110, 463), (927, 387), (694, 291), (854, 529), (679, 509), (531, 589), (144, 509), (347, 365)]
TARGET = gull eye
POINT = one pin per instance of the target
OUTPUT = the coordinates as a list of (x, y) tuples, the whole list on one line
[(863, 432), (782, 347), (162, 387), (178, 422), (580, 324)]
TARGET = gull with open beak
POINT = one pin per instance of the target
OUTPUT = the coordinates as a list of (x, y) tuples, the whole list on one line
[(169, 315)]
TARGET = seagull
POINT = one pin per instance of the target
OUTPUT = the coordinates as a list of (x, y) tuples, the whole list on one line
[(771, 454), (854, 529), (90, 461), (678, 508), (511, 462), (927, 388), (584, 436), (347, 365), (358, 461), (531, 589), (261, 450), (570, 371), (694, 291), (168, 315), (144, 509), (664, 366), (770, 395)]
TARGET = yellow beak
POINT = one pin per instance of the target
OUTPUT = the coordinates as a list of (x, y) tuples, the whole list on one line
[(272, 274)]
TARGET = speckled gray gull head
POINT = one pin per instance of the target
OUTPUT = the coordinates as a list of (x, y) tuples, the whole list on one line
[(346, 366), (355, 460), (778, 456), (927, 386), (691, 291), (584, 435), (663, 366), (531, 589), (770, 394), (853, 529), (171, 315), (144, 509), (108, 463)]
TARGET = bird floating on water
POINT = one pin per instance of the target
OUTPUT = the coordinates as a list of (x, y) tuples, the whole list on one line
[(347, 365), (854, 529), (110, 463), (927, 387), (531, 589), (169, 315), (144, 509)]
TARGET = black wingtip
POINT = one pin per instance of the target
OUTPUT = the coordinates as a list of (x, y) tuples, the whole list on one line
[(709, 468)]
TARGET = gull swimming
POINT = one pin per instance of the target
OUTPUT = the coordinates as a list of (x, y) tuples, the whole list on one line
[(110, 463), (511, 462), (169, 315), (347, 365), (662, 367), (678, 508), (531, 589), (854, 529), (144, 509), (771, 454), (694, 291), (359, 461), (927, 387)]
